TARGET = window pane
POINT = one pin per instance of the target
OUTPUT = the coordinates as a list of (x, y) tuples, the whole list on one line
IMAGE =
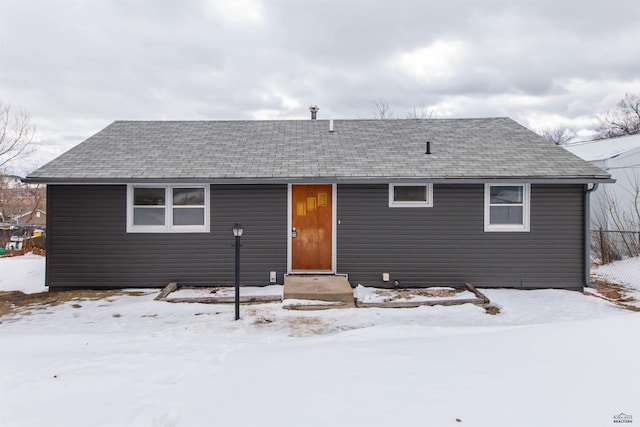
[(148, 216), (188, 216), (506, 215), (410, 193), (188, 196), (503, 194), (148, 196)]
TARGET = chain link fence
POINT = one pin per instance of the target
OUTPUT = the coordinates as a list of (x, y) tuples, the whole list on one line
[(617, 257), (613, 245)]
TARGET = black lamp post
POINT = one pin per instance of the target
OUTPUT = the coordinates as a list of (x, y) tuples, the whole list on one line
[(237, 232)]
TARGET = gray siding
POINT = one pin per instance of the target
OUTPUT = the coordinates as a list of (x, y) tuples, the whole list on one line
[(88, 245), (447, 244)]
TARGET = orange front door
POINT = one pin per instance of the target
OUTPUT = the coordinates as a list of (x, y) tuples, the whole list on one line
[(311, 222)]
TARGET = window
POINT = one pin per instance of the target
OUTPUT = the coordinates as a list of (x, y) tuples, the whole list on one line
[(506, 207), (410, 195), (167, 208)]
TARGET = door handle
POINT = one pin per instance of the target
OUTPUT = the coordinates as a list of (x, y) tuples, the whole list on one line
[(294, 232)]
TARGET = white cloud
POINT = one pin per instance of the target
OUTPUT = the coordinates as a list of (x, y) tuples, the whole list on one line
[(235, 13), (437, 61), (288, 105), (76, 65)]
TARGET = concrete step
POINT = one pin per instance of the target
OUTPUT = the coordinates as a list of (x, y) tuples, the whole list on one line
[(319, 288), (308, 305)]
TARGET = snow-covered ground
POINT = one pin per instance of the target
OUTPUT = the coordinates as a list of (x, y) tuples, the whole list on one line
[(625, 272), (23, 273), (549, 358), (366, 294)]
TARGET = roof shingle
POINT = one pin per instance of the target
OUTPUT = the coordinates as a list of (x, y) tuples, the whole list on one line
[(357, 150)]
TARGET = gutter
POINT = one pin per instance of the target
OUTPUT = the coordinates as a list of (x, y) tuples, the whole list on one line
[(319, 179), (587, 234)]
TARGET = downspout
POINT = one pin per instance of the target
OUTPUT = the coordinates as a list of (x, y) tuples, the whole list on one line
[(587, 234), (47, 239)]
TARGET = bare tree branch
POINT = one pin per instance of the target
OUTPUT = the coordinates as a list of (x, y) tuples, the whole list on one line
[(620, 220), (16, 135), (559, 135), (624, 121), (419, 114), (381, 110)]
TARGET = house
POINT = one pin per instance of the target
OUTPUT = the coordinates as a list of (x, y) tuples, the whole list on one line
[(10, 182), (20, 202), (420, 202), (614, 205)]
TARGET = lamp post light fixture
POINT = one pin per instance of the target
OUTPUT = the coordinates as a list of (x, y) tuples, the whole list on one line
[(237, 232)]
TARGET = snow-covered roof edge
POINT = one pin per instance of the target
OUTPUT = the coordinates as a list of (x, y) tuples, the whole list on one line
[(601, 149)]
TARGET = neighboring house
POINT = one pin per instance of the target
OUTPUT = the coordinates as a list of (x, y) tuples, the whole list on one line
[(14, 182), (616, 205), (428, 201), (11, 181), (19, 199)]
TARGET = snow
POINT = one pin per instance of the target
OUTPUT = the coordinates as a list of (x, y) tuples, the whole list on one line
[(549, 358), (625, 272), (227, 291), (604, 148), (24, 273), (366, 294)]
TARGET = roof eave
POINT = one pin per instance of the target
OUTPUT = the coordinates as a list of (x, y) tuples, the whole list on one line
[(328, 179)]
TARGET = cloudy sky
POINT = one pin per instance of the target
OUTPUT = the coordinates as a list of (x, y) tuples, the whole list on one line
[(76, 66)]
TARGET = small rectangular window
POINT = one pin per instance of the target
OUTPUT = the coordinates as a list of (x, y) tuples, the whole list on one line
[(149, 206), (168, 208), (148, 196), (188, 216), (410, 195), (507, 207), (148, 216), (188, 206), (188, 196)]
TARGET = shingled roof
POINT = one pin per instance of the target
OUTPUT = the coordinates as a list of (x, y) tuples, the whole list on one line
[(307, 151)]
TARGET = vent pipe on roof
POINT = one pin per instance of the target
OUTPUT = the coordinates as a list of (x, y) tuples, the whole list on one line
[(314, 109), (331, 125), (428, 152)]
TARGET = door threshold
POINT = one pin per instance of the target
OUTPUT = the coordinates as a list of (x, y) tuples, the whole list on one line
[(316, 273), (293, 273)]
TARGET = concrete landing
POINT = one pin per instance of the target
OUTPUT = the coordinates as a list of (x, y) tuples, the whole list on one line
[(319, 288)]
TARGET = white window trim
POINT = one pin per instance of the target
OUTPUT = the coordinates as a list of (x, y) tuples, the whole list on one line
[(526, 207), (168, 214), (427, 204)]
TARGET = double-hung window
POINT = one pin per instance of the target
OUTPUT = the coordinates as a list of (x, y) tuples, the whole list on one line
[(167, 208), (506, 207), (410, 195)]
